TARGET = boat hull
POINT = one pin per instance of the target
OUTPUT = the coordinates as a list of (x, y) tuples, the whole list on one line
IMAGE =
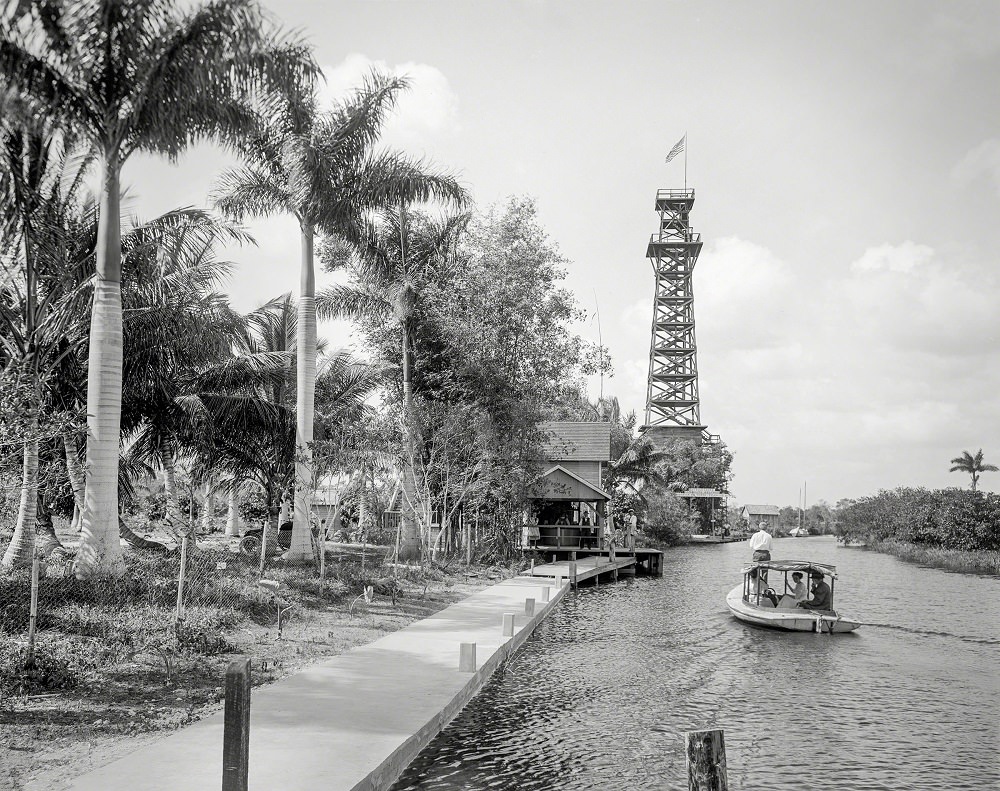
[(797, 620)]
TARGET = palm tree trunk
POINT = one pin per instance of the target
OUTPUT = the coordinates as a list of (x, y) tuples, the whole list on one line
[(77, 480), (100, 548), (174, 515), (233, 517), (46, 539), (209, 509), (305, 397), (22, 544), (409, 548)]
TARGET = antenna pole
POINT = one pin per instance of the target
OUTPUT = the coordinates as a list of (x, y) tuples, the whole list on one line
[(600, 342)]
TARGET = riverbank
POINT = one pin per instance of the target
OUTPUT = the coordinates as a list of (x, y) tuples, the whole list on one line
[(982, 562), (355, 720), (48, 738)]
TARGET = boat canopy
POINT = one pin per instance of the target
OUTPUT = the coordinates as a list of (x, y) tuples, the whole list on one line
[(792, 565)]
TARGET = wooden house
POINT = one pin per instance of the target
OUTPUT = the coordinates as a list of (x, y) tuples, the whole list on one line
[(567, 503), (753, 515)]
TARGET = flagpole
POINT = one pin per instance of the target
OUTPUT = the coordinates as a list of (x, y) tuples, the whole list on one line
[(685, 161)]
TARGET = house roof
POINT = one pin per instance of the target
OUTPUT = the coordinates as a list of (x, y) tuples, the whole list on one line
[(762, 510), (602, 495), (571, 440)]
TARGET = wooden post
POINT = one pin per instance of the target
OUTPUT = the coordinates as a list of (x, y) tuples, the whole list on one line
[(180, 579), (572, 573), (322, 556), (546, 591), (263, 546), (529, 607), (508, 624), (706, 759), (558, 581), (236, 728), (467, 658), (33, 613)]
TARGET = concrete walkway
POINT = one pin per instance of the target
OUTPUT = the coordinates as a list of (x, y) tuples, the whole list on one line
[(356, 720)]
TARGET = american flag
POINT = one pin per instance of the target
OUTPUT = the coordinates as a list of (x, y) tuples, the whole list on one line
[(677, 148)]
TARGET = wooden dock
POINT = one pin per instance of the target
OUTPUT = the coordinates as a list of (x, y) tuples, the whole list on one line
[(642, 559), (577, 571)]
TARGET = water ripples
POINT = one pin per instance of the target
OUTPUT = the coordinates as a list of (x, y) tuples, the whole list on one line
[(601, 696)]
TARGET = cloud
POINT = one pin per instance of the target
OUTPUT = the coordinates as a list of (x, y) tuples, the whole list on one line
[(983, 161), (905, 297), (900, 258), (744, 296), (428, 110)]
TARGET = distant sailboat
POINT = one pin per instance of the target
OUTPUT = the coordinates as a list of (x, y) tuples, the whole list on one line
[(800, 531)]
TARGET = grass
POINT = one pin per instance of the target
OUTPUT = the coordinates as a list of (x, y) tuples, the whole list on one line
[(983, 562), (111, 665)]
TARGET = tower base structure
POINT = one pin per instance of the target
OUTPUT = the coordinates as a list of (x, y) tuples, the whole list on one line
[(662, 435)]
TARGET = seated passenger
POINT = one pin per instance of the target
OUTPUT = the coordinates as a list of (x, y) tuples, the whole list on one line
[(821, 594), (760, 594), (796, 592)]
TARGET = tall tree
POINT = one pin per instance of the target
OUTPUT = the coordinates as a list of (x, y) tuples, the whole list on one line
[(389, 269), (43, 288), (178, 333), (152, 75), (321, 168), (973, 465)]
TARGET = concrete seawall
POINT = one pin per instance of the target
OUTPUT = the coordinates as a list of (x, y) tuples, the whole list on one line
[(354, 721)]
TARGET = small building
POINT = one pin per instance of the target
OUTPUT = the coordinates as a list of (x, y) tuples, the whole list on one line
[(753, 515), (709, 505), (567, 503)]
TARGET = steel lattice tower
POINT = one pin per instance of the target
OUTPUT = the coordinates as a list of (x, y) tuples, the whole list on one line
[(672, 405)]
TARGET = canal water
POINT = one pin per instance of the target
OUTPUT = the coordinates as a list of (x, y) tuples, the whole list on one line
[(601, 695)]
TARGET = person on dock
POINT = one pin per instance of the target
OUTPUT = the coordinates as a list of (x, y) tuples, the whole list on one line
[(821, 594), (760, 543)]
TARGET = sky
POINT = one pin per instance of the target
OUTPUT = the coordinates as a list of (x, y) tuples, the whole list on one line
[(846, 163)]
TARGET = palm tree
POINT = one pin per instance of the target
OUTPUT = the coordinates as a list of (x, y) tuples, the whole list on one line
[(389, 269), (41, 185), (150, 75), (177, 333), (321, 169), (973, 465)]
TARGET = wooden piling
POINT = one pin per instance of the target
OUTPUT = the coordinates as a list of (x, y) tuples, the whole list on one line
[(508, 624), (546, 592), (706, 759), (236, 727), (529, 607), (572, 574)]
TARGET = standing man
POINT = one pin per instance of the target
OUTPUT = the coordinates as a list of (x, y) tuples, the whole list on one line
[(760, 543)]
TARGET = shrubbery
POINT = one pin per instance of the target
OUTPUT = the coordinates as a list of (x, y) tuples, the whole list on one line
[(943, 518)]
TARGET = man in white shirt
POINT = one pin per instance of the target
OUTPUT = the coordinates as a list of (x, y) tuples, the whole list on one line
[(760, 543)]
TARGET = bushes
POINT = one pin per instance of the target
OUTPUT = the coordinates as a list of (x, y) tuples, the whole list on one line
[(956, 519), (668, 520)]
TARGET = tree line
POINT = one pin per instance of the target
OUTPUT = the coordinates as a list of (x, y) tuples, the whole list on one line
[(129, 380)]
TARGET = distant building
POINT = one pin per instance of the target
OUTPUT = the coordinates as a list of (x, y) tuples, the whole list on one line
[(755, 514)]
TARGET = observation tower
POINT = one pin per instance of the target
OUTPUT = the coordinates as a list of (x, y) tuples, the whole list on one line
[(673, 409)]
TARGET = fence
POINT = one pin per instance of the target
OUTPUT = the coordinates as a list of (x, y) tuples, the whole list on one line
[(202, 598)]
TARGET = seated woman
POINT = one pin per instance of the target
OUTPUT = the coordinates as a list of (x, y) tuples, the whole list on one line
[(796, 592)]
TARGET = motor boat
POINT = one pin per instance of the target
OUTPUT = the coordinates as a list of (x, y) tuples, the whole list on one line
[(757, 601)]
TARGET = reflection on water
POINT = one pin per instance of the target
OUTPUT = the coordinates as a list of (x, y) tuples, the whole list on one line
[(601, 696)]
